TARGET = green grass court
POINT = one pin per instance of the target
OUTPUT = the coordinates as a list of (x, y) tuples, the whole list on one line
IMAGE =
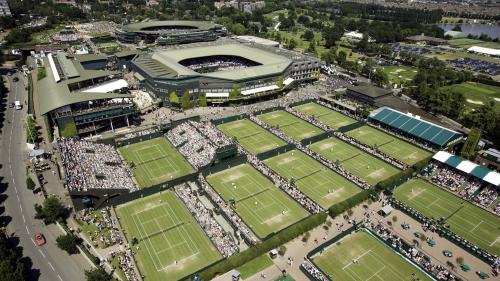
[(325, 115), (388, 144), (321, 184), (172, 244), (376, 261), (477, 94), (155, 161), (359, 163), (261, 204), (290, 125), (480, 227), (251, 136)]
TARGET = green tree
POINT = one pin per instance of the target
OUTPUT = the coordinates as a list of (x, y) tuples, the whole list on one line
[(282, 250), (235, 91), (30, 184), (97, 274), (308, 35), (186, 100), (11, 266), (379, 78), (202, 99), (51, 210), (173, 98), (330, 56), (68, 243), (312, 48), (342, 57), (292, 44), (41, 73)]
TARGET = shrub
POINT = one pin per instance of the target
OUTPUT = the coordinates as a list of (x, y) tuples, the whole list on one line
[(282, 250), (68, 243), (347, 204), (30, 184)]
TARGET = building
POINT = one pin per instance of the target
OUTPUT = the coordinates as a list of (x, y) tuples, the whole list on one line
[(257, 40), (244, 6), (455, 34), (428, 40), (489, 158), (170, 32), (367, 93), (4, 9), (356, 36), (223, 70), (81, 98), (484, 51)]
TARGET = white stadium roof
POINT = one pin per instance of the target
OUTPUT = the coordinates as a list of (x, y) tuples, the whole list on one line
[(486, 51)]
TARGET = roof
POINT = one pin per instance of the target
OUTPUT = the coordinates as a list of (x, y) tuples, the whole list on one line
[(414, 126), (369, 90), (455, 34), (126, 53), (422, 37), (54, 95), (140, 26), (483, 50), (165, 63), (468, 167), (258, 40)]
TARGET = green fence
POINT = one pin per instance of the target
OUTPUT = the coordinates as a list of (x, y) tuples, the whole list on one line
[(226, 164), (138, 139), (229, 119), (311, 140), (351, 127), (267, 110), (293, 104), (275, 152)]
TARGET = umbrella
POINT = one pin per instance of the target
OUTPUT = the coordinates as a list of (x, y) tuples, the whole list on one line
[(431, 243), (465, 267), (448, 253), (417, 234)]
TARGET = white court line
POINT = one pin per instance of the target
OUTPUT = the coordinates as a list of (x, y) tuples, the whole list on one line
[(494, 242), (376, 273), (363, 254), (474, 228)]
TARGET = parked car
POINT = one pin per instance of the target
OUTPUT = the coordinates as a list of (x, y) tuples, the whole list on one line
[(39, 239)]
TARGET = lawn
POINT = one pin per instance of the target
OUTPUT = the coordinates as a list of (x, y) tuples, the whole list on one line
[(359, 163), (467, 43), (261, 204), (154, 161), (477, 94), (325, 115), (462, 54), (465, 219), (171, 243), (318, 182), (399, 74), (251, 136), (254, 266), (388, 144), (376, 261), (290, 125)]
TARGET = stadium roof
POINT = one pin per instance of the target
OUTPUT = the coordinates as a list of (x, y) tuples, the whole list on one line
[(484, 51), (422, 37), (468, 167), (165, 63), (138, 27), (369, 90), (55, 93), (414, 126)]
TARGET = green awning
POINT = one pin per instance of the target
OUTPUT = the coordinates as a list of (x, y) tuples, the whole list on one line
[(465, 267), (480, 172), (454, 161)]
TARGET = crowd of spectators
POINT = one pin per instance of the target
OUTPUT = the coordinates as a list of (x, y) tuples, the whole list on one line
[(217, 138), (107, 230), (91, 165), (198, 150), (487, 197), (204, 216), (438, 271), (241, 228), (217, 63), (446, 177), (126, 263), (137, 134), (313, 271), (339, 110)]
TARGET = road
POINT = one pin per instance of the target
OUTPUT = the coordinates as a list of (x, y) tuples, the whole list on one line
[(52, 263)]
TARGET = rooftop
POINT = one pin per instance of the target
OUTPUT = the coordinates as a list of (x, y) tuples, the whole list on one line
[(422, 37), (369, 90), (140, 26)]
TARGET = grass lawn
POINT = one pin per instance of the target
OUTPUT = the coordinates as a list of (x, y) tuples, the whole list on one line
[(467, 43), (290, 125), (399, 74), (251, 136), (171, 243), (388, 144), (261, 204), (467, 220), (89, 229), (359, 163), (376, 260), (155, 161), (254, 266), (464, 54), (477, 94), (325, 115), (321, 184)]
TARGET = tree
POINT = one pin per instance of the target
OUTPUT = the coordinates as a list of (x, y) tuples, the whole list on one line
[(342, 57), (173, 98), (202, 99), (30, 184), (282, 250), (379, 78), (292, 44), (68, 243), (460, 260), (330, 56), (308, 35), (235, 91), (97, 274), (11, 266), (312, 48), (50, 211), (186, 100)]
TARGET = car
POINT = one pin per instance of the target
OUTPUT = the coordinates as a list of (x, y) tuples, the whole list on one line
[(39, 239)]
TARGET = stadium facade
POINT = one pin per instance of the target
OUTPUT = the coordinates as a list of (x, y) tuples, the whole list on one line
[(80, 97), (223, 71), (170, 32)]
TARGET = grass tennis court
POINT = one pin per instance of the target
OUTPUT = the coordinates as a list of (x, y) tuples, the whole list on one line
[(359, 163), (321, 184), (480, 227), (290, 125), (375, 261), (261, 204), (251, 136), (325, 115), (155, 161), (172, 244), (388, 144)]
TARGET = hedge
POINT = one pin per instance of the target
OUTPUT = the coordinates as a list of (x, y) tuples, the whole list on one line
[(280, 238), (350, 202), (391, 182)]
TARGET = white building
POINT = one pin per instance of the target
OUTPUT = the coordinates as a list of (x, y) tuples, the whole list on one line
[(356, 36), (4, 9)]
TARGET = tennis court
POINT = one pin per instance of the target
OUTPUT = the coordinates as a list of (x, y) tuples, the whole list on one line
[(388, 144), (290, 125), (325, 115), (480, 227), (251, 136), (171, 243), (261, 204), (359, 163), (321, 184), (154, 161), (362, 257)]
